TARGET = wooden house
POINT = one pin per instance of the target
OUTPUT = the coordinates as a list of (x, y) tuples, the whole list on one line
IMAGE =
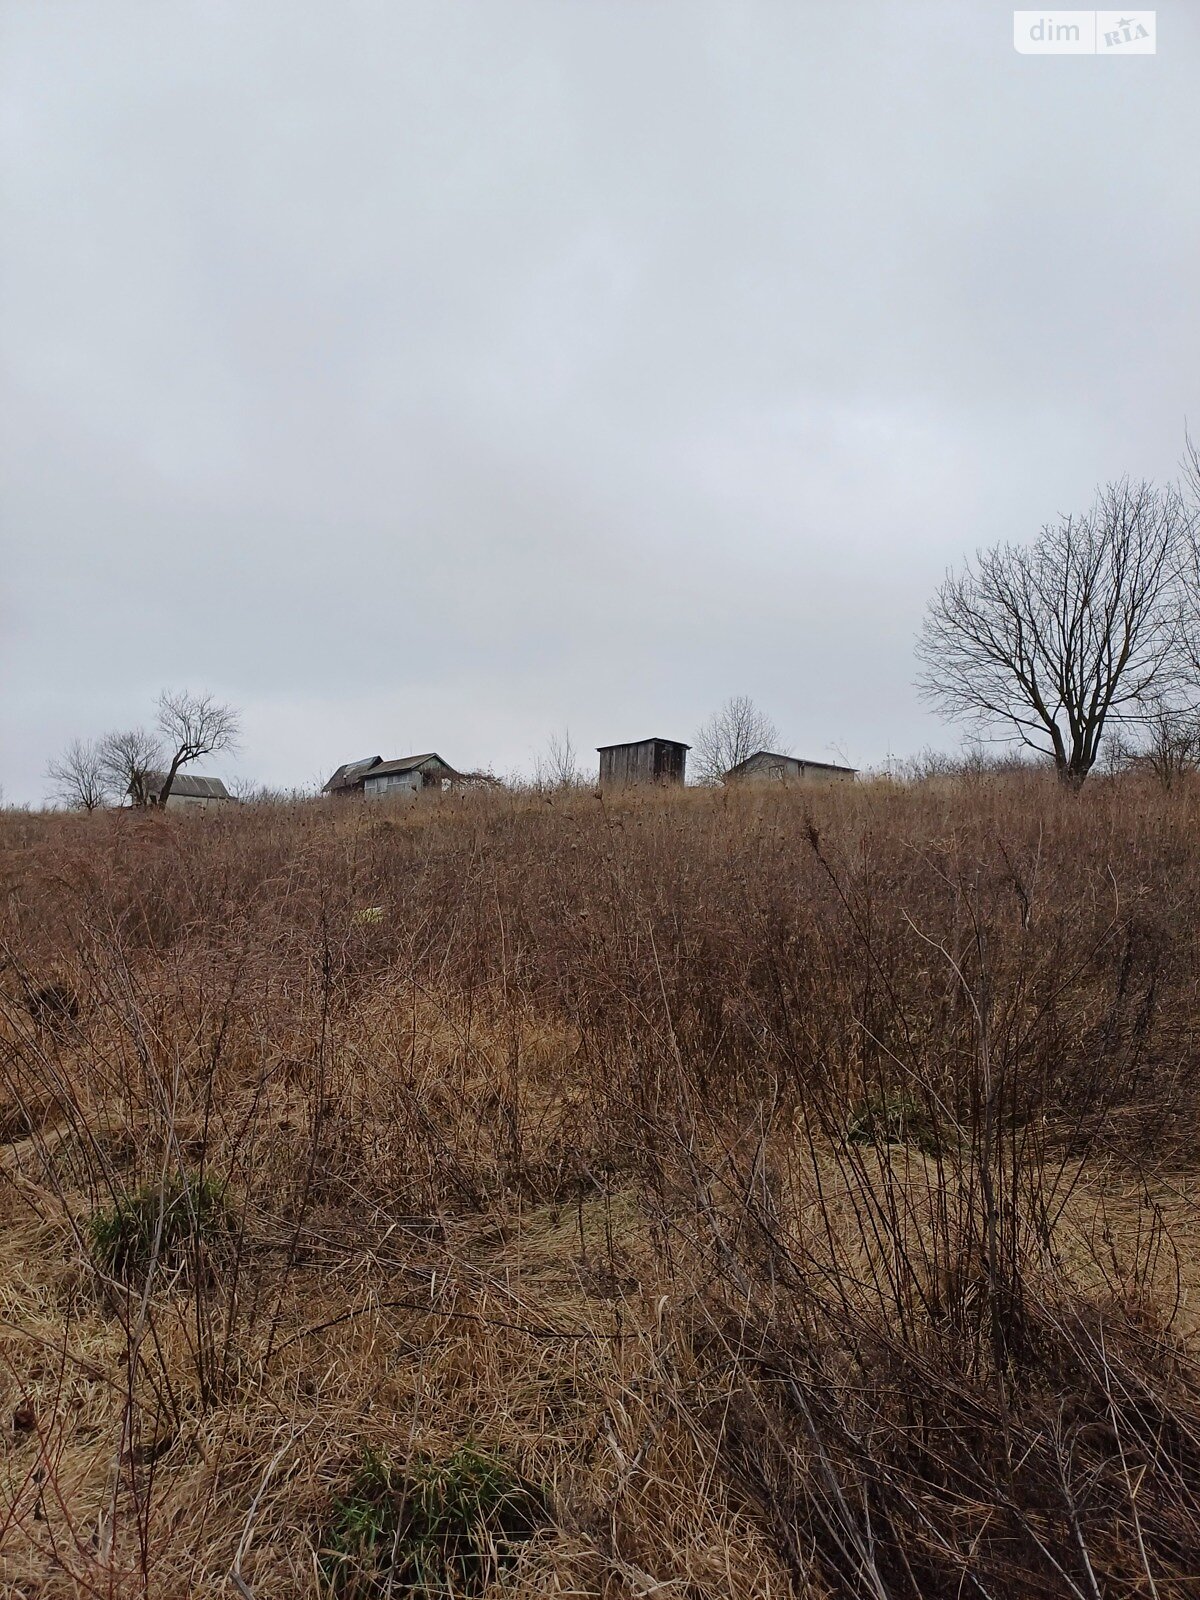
[(406, 776)]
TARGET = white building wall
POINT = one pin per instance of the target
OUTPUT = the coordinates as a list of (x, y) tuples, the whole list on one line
[(393, 785)]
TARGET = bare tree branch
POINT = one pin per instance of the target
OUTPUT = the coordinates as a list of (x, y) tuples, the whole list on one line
[(1191, 468), (1190, 565)]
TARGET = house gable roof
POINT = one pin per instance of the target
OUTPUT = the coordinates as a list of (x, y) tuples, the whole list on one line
[(627, 744), (799, 761), (407, 764)]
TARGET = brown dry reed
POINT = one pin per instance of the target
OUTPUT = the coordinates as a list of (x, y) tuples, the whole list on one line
[(794, 1194)]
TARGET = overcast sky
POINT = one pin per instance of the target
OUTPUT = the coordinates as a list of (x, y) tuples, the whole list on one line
[(438, 375)]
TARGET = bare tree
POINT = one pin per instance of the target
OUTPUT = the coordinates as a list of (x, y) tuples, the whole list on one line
[(193, 725), (129, 763), (80, 776), (558, 768), (731, 734), (1049, 643)]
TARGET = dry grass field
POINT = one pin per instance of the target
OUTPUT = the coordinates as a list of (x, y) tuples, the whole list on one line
[(699, 1195)]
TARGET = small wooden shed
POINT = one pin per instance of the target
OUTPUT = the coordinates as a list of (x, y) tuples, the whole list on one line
[(644, 761)]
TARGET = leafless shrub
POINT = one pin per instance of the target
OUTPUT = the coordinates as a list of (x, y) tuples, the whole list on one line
[(1169, 745), (558, 766), (977, 762), (252, 793)]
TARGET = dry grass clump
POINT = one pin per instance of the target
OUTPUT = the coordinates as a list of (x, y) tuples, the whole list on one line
[(757, 1194)]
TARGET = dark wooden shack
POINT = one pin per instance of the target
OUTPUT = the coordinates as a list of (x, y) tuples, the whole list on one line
[(645, 761)]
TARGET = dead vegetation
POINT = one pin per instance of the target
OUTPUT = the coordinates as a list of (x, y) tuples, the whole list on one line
[(707, 1195)]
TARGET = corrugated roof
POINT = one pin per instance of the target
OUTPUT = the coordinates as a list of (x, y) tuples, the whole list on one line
[(190, 785), (407, 764), (351, 772)]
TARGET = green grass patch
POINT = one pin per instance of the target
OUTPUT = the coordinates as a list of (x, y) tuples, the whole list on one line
[(432, 1530), (895, 1119), (177, 1225)]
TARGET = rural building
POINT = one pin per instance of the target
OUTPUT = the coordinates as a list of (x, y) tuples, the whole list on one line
[(349, 777), (646, 761), (406, 775), (186, 790), (767, 766)]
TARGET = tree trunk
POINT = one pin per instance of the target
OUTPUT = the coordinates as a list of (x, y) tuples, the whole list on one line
[(1071, 773), (164, 794)]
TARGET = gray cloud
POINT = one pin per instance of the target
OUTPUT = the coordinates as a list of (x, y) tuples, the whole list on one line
[(434, 375)]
